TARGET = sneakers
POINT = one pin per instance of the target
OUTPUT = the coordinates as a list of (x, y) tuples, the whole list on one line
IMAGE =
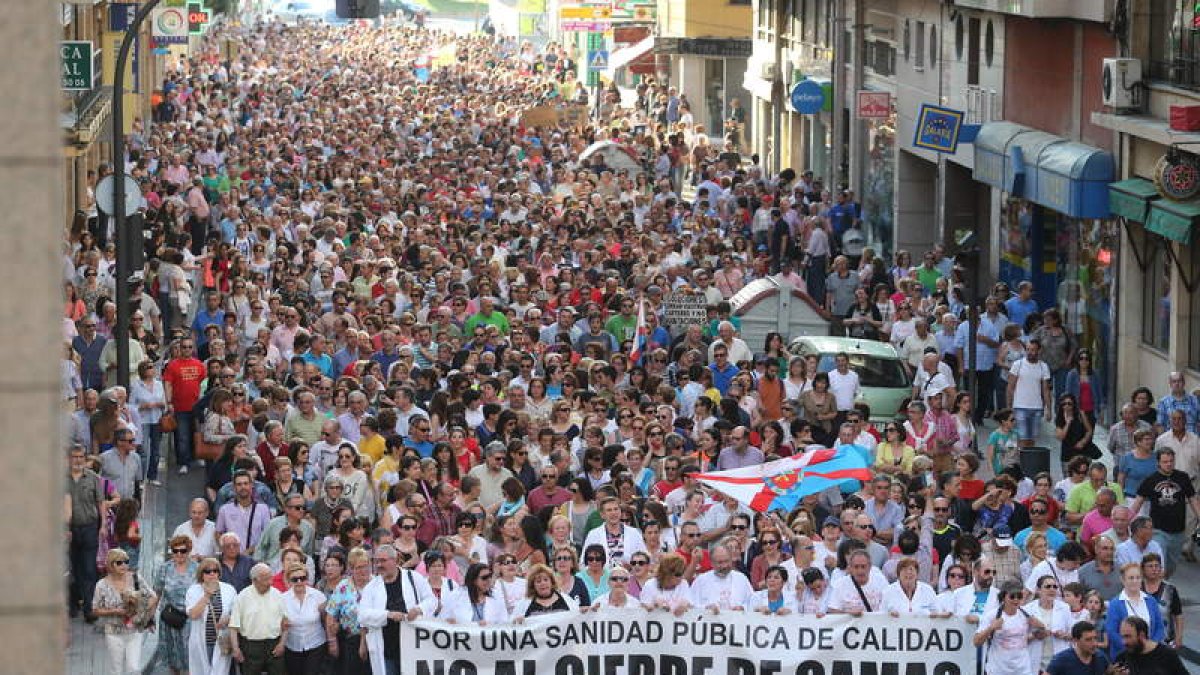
[(201, 463), (183, 470), (156, 482)]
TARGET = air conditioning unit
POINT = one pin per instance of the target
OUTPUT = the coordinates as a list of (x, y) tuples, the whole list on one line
[(768, 71), (1121, 83)]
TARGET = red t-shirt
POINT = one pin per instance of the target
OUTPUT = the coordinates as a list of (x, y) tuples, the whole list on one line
[(184, 376), (705, 563)]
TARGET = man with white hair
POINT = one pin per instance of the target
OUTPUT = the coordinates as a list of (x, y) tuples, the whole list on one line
[(393, 595), (349, 421), (198, 528), (256, 625), (738, 349)]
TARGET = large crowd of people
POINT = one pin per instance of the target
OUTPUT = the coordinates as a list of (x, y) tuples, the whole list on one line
[(394, 329)]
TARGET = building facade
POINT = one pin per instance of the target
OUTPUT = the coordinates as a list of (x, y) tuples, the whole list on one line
[(1155, 202)]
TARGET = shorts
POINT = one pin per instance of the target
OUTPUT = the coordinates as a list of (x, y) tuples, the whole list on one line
[(1029, 422)]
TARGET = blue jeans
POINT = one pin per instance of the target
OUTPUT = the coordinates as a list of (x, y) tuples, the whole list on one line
[(1028, 421), (1172, 546), (85, 542), (183, 438), (150, 450)]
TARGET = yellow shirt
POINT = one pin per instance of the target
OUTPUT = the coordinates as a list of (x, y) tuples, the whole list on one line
[(258, 616), (885, 454), (385, 475), (372, 447)]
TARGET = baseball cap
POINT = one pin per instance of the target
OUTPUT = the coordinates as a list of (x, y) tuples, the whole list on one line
[(1003, 536), (831, 521)]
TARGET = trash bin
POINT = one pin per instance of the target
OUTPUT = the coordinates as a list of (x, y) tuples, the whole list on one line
[(1035, 460)]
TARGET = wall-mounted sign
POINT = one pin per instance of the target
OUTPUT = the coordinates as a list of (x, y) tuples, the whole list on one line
[(79, 71), (808, 97), (937, 129), (1177, 177), (169, 25), (874, 105)]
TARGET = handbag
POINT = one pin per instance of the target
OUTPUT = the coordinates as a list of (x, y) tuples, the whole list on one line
[(173, 616), (224, 639), (168, 423)]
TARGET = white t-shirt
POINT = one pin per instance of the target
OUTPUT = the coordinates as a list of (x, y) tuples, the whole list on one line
[(732, 590), (844, 597), (844, 388), (1028, 393), (923, 602), (1008, 652), (203, 546)]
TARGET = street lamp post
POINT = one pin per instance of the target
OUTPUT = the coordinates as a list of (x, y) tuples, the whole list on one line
[(121, 334)]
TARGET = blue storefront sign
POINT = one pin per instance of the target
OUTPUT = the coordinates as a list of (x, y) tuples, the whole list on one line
[(938, 129), (808, 97)]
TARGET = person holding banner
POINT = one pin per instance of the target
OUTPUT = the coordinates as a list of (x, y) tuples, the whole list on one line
[(668, 589), (542, 596), (474, 602), (618, 591), (861, 589), (908, 596), (813, 592), (369, 614), (777, 598), (722, 587)]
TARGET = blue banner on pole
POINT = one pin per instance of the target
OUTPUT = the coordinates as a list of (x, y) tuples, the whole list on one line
[(938, 129)]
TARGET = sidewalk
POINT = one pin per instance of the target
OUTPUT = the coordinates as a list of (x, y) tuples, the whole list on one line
[(86, 652)]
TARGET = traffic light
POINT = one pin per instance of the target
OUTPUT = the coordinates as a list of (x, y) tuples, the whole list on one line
[(358, 9)]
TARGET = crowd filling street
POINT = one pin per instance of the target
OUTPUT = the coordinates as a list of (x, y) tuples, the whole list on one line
[(398, 333)]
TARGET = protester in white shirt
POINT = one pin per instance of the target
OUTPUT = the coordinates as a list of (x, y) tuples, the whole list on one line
[(722, 587), (858, 591), (907, 596)]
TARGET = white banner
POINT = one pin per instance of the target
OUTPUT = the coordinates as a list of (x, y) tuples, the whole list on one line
[(636, 642)]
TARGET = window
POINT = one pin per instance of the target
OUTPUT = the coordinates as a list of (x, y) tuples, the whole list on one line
[(973, 51), (907, 41), (1175, 41), (989, 44), (919, 47), (1156, 295), (933, 46), (958, 37)]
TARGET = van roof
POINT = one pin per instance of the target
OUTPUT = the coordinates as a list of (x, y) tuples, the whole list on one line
[(832, 345)]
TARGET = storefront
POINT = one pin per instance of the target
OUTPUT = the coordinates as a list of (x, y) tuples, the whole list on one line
[(878, 182), (1056, 226)]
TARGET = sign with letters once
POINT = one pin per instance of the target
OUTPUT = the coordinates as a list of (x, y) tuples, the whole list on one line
[(635, 641)]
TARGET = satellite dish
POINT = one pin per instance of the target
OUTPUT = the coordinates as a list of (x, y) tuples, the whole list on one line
[(106, 195)]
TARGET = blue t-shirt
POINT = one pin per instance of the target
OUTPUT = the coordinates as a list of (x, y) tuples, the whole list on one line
[(1054, 538), (1018, 310), (1067, 662), (1135, 470)]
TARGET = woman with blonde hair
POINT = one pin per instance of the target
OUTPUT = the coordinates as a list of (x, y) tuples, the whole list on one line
[(542, 596), (668, 589), (124, 607), (172, 579), (209, 602)]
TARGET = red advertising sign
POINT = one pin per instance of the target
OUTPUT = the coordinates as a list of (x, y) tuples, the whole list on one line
[(874, 105)]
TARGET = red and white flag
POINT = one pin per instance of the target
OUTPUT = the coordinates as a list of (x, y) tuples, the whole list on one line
[(640, 334)]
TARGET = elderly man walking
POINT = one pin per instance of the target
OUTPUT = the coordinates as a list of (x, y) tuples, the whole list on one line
[(257, 625)]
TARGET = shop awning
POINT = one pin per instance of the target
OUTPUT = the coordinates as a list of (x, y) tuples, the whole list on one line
[(1071, 178), (626, 55), (1130, 198), (1173, 220), (758, 87)]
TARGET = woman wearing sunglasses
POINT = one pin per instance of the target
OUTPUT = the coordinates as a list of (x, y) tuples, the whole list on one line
[(209, 602), (304, 608), (618, 590), (474, 601)]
